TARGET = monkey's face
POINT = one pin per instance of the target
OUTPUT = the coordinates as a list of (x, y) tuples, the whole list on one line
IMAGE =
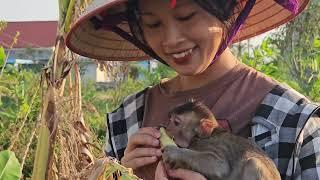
[(182, 128)]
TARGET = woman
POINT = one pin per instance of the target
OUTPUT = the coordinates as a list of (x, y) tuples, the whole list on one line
[(191, 36)]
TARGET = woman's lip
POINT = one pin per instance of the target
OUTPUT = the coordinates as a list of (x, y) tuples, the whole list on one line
[(184, 60)]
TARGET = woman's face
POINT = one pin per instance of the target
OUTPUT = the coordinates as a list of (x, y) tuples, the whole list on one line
[(187, 37)]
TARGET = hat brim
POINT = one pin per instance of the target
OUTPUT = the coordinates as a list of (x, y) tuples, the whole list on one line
[(86, 40)]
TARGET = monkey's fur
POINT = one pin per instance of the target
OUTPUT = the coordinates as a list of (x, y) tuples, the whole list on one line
[(212, 151)]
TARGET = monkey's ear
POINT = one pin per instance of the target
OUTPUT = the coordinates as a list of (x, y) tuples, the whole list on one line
[(205, 128)]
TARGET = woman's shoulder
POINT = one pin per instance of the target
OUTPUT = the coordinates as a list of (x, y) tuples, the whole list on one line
[(283, 102), (123, 122), (281, 115), (136, 101), (282, 124), (132, 105)]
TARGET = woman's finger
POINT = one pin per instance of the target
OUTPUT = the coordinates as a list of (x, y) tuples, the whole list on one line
[(139, 162), (142, 152), (141, 139), (151, 131), (160, 173)]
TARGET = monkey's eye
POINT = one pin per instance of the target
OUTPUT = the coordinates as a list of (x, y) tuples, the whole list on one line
[(176, 123)]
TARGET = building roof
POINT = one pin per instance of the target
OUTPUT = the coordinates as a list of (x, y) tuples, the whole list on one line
[(33, 34)]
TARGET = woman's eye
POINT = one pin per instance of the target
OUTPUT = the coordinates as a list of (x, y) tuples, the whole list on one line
[(185, 18), (153, 25)]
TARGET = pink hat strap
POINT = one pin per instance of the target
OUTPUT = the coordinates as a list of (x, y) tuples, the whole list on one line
[(291, 5), (235, 28)]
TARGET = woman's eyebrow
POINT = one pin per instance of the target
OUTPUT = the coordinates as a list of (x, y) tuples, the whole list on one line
[(180, 4)]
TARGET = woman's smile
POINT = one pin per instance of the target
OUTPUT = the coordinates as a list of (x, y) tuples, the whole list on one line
[(181, 36), (184, 57)]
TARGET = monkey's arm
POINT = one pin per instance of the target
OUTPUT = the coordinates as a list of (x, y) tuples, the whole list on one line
[(211, 165)]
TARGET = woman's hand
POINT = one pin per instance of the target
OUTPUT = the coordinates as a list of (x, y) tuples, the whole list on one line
[(143, 148), (184, 174), (161, 173)]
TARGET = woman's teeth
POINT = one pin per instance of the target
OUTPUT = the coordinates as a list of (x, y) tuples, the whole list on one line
[(182, 54)]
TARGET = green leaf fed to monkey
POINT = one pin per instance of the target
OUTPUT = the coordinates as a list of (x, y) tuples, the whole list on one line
[(208, 149)]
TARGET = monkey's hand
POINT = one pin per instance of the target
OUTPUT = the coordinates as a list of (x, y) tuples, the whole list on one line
[(210, 165), (173, 156)]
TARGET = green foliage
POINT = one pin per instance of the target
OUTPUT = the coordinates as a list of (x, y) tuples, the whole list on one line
[(68, 18), (3, 25), (262, 59), (267, 58), (9, 166), (125, 173), (96, 103), (94, 108), (15, 101), (63, 6), (292, 55), (154, 76), (2, 56), (109, 168), (121, 91), (133, 84), (299, 52), (17, 88), (41, 155)]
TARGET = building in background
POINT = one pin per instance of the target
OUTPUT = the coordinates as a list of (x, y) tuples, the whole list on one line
[(35, 45)]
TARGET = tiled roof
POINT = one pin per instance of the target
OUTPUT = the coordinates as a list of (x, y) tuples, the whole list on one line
[(33, 34)]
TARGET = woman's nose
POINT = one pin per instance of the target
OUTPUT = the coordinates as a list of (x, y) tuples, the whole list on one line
[(172, 37)]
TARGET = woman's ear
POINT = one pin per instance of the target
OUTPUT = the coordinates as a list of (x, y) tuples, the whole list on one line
[(205, 128)]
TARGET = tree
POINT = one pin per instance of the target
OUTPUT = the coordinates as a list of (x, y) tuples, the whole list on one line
[(299, 50)]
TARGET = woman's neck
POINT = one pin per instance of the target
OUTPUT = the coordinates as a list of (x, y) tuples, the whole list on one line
[(224, 64)]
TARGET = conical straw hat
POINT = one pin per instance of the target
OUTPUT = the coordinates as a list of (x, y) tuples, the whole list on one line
[(87, 40)]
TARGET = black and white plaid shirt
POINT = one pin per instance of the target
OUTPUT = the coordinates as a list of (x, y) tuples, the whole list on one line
[(286, 126)]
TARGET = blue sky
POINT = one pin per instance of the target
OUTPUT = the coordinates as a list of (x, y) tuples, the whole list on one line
[(28, 10)]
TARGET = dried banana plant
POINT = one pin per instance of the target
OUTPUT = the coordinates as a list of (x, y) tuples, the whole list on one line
[(62, 149), (73, 152), (65, 148), (107, 167)]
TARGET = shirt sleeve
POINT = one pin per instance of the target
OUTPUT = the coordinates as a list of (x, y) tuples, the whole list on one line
[(308, 164), (108, 148)]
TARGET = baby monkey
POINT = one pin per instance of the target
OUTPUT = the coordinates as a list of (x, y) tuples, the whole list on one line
[(206, 148)]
